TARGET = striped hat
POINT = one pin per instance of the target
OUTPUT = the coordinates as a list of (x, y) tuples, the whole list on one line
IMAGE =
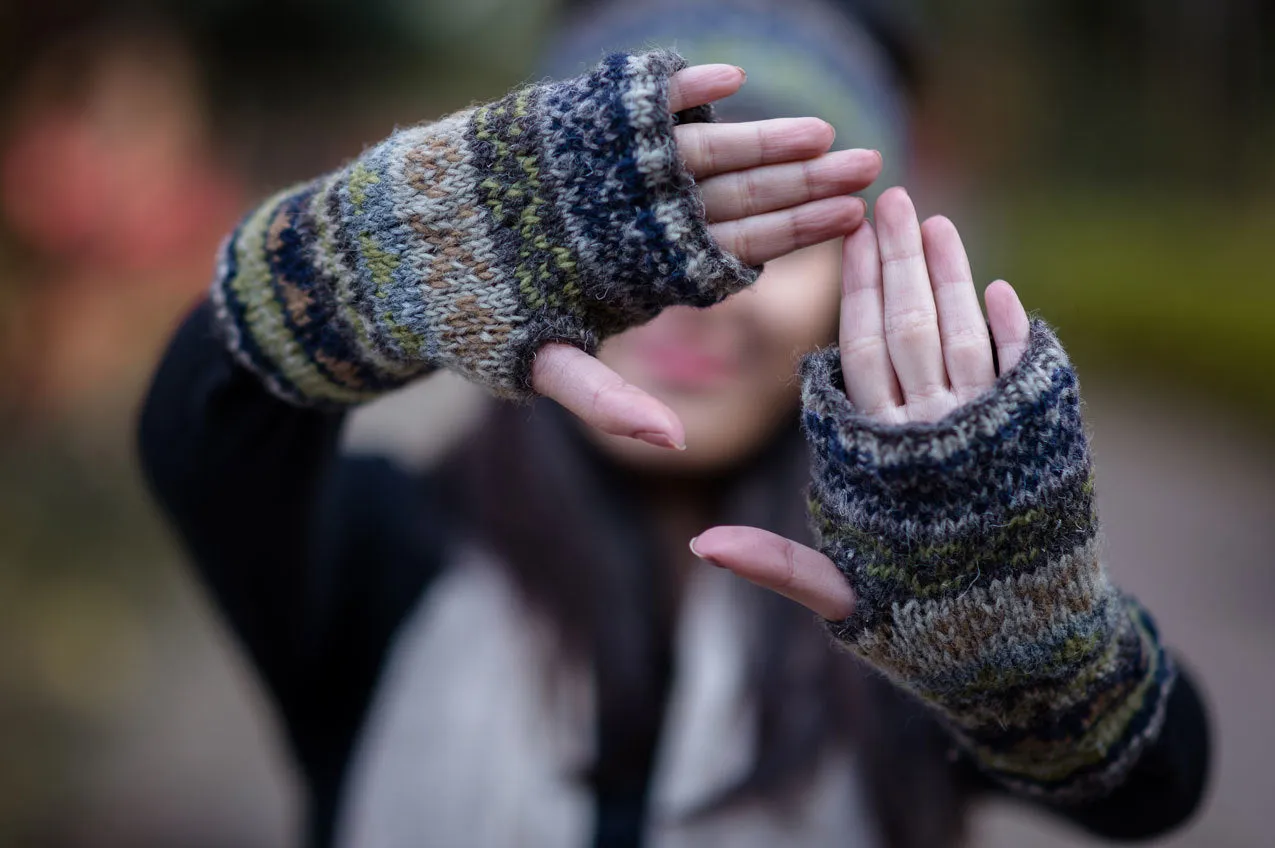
[(803, 57)]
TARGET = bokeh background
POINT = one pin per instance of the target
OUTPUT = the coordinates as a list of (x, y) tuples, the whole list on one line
[(1115, 159)]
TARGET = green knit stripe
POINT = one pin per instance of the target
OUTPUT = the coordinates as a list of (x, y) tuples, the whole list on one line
[(253, 285), (327, 259), (953, 637), (486, 119), (1049, 762), (530, 223), (931, 571), (1043, 700)]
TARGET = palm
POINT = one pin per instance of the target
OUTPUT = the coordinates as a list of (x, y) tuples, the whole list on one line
[(914, 346)]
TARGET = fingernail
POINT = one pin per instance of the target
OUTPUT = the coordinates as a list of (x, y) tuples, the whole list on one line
[(660, 440), (700, 555), (743, 73)]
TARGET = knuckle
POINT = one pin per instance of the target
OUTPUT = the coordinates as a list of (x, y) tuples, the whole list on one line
[(742, 243), (762, 142), (609, 393), (886, 413), (710, 149), (789, 576), (902, 256), (967, 345), (915, 324), (862, 347), (931, 394), (808, 227), (748, 192), (807, 180), (957, 282), (695, 148)]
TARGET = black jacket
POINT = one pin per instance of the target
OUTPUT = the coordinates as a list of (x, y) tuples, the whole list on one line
[(271, 514)]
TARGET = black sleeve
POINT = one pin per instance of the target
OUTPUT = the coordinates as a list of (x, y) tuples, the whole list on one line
[(1166, 786), (313, 558)]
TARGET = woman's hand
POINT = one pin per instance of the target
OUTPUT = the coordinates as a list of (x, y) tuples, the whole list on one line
[(914, 346), (769, 188)]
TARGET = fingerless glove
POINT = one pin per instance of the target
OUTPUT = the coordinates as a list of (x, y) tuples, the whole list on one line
[(972, 545), (559, 213)]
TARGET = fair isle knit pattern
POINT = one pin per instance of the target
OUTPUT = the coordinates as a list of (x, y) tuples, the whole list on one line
[(560, 213), (972, 545)]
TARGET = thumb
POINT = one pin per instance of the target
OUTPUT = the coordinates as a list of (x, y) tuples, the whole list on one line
[(793, 570), (602, 398)]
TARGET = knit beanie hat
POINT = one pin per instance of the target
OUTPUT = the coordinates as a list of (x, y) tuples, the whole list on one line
[(803, 57)]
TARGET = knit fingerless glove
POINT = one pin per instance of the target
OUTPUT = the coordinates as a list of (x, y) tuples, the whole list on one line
[(972, 545), (559, 213)]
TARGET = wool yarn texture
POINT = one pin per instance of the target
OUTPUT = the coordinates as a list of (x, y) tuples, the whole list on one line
[(560, 213), (972, 546)]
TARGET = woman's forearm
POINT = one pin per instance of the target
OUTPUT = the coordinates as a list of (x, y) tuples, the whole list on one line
[(560, 213), (972, 546), (239, 474)]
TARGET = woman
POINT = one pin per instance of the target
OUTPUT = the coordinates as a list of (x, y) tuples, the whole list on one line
[(525, 646)]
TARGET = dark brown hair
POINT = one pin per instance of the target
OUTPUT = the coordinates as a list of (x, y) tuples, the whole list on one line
[(566, 523)]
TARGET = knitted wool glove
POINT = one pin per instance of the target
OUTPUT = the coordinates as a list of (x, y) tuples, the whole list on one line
[(559, 213), (972, 545)]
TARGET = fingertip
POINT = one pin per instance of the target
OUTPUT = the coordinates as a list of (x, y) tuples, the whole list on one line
[(701, 84), (1001, 298), (663, 428), (855, 239), (659, 440), (707, 536), (878, 163), (830, 131), (817, 133), (1001, 286), (701, 555), (937, 224), (893, 202), (1008, 321)]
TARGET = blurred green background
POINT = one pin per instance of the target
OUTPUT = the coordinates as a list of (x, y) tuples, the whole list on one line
[(1115, 160)]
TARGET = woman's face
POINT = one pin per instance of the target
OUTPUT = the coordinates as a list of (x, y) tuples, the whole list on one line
[(729, 371)]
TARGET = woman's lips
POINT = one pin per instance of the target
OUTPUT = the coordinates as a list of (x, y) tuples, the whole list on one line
[(686, 364)]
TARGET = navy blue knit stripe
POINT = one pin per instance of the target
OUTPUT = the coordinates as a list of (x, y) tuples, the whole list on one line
[(323, 334), (247, 343)]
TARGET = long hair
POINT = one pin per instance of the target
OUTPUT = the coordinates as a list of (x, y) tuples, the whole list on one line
[(567, 525)]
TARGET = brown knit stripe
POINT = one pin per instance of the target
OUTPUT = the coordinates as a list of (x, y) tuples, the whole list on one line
[(924, 638), (1050, 761), (1118, 762), (1099, 682), (466, 294)]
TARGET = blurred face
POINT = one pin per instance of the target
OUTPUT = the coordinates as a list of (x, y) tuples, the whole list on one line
[(729, 371)]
